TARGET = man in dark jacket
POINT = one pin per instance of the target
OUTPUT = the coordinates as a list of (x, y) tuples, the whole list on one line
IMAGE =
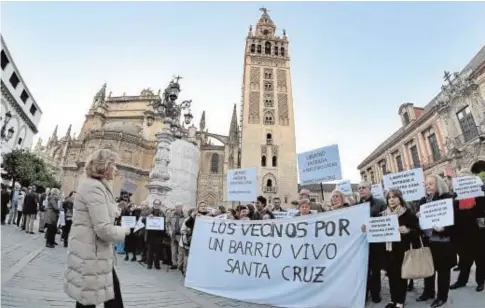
[(376, 250), (5, 201), (42, 208), (31, 203)]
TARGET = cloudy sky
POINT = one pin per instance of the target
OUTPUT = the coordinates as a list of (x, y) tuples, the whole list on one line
[(353, 64)]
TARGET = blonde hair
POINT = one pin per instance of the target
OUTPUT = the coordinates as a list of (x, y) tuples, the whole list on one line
[(441, 186), (55, 192), (99, 162), (341, 194)]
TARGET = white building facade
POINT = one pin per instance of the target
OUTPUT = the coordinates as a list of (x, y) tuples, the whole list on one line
[(20, 113)]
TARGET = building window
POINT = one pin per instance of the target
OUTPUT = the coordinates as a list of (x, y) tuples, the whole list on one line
[(19, 142), (276, 50), (4, 60), (258, 49), (282, 51), (267, 75), (263, 161), (435, 149), (268, 86), (269, 139), (383, 167), (253, 48), (24, 96), (268, 103), (372, 177), (274, 161), (406, 118), (33, 109), (415, 156), (467, 124), (400, 167), (365, 177), (215, 163), (14, 80), (267, 48), (268, 119), (269, 183)]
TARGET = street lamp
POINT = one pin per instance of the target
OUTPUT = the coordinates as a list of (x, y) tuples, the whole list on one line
[(7, 134)]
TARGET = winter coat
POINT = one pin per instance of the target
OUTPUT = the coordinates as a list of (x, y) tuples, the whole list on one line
[(52, 212), (90, 255)]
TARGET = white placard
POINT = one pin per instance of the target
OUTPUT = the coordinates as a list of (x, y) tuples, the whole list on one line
[(410, 182), (383, 229), (282, 215), (242, 185), (377, 191), (320, 165), (345, 187), (128, 221), (155, 223), (436, 213), (139, 225), (308, 261), (468, 187)]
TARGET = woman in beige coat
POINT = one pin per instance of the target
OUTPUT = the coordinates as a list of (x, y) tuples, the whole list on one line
[(90, 277)]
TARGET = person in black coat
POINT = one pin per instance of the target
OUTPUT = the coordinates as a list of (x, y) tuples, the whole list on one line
[(409, 229), (5, 201), (154, 238), (439, 241), (376, 250)]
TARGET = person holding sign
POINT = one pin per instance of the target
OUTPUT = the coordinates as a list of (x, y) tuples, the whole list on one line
[(439, 238), (409, 229), (304, 208), (154, 237), (338, 201), (376, 250), (93, 235)]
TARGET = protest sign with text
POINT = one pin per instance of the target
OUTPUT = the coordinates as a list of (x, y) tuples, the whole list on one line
[(128, 221), (410, 182), (437, 213), (383, 229), (155, 223), (139, 225), (320, 165), (242, 185), (377, 191), (468, 187), (345, 187), (322, 256)]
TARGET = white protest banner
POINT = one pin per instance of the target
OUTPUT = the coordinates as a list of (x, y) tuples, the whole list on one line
[(410, 182), (436, 213), (377, 191), (383, 229), (320, 165), (139, 225), (155, 223), (345, 187), (242, 185), (128, 221), (468, 187), (303, 262)]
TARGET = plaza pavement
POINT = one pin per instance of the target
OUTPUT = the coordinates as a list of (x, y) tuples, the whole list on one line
[(32, 276)]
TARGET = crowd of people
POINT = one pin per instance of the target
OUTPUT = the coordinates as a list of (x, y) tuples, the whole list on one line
[(91, 226)]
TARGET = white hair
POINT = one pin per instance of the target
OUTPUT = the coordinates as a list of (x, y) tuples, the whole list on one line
[(441, 186)]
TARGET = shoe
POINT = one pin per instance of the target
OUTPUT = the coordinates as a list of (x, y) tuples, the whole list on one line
[(31, 232), (438, 303), (391, 305), (376, 299), (480, 288), (424, 297), (55, 243), (149, 267), (410, 287), (456, 269), (457, 285), (127, 258), (173, 267), (50, 246), (133, 259), (41, 231)]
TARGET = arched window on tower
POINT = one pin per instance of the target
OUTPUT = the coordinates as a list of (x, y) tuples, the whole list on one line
[(268, 118), (269, 139), (215, 163), (282, 51), (253, 48), (269, 183), (258, 49), (267, 48), (263, 161), (274, 161), (276, 49)]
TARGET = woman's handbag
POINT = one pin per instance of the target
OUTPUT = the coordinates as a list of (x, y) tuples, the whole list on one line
[(417, 263)]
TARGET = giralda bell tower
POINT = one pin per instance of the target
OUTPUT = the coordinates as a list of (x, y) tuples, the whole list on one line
[(267, 118)]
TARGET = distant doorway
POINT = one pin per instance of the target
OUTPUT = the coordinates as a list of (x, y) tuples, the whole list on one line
[(478, 167)]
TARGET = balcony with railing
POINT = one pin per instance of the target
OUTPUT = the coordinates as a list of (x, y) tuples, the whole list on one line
[(269, 141), (474, 134), (434, 159), (270, 189)]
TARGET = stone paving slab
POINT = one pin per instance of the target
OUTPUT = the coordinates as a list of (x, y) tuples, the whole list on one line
[(34, 278)]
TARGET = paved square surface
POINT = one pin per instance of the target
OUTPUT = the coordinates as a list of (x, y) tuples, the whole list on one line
[(32, 276)]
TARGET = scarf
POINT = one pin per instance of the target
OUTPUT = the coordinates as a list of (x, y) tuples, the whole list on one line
[(398, 210)]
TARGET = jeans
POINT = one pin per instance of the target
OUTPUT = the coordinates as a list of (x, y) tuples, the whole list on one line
[(116, 302), (13, 214), (29, 224)]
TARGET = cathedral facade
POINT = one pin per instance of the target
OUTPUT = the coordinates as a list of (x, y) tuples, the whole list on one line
[(264, 137)]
